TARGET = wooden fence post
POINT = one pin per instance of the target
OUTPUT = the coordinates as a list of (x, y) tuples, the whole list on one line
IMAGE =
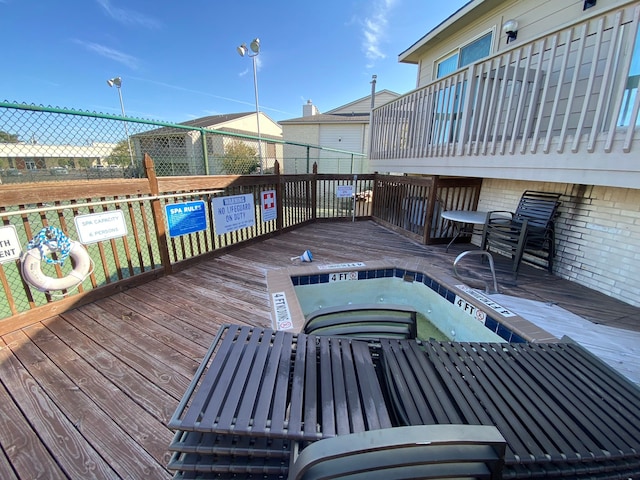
[(431, 205), (314, 192), (279, 199), (158, 217)]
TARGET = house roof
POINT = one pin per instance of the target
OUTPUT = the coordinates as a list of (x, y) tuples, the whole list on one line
[(212, 122), (457, 20), (338, 114), (329, 118), (367, 97)]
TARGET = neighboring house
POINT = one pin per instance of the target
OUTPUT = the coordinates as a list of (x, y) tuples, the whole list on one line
[(178, 151), (345, 128), (533, 95), (35, 156)]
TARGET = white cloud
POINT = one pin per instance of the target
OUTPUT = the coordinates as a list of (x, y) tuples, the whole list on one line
[(120, 57), (128, 17), (374, 30)]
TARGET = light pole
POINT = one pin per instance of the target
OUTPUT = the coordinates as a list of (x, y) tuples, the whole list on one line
[(243, 50), (117, 82)]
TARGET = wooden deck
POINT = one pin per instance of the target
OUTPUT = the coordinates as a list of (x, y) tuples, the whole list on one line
[(88, 393)]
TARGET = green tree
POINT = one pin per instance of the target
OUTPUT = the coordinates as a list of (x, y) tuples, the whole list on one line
[(120, 155), (8, 137), (84, 162), (66, 162), (240, 159)]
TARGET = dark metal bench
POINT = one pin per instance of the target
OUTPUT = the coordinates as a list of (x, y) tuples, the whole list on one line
[(256, 384)]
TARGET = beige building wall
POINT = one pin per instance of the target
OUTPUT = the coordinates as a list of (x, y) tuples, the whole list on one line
[(249, 124), (534, 19), (597, 232)]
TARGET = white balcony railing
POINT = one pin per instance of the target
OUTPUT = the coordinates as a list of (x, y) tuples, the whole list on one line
[(571, 91)]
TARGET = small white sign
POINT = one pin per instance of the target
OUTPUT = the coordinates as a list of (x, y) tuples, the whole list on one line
[(344, 191), (281, 308), (10, 247), (343, 276), (505, 312), (233, 213), (269, 211), (470, 309), (98, 227), (340, 266)]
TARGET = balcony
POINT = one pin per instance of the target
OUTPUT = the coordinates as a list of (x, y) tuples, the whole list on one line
[(558, 108)]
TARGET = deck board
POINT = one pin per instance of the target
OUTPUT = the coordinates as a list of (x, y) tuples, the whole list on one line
[(88, 393)]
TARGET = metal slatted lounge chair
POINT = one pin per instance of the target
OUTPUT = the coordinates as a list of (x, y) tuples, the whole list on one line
[(563, 412), (415, 452), (258, 390), (530, 230)]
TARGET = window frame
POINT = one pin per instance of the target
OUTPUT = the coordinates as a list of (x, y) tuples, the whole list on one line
[(458, 51)]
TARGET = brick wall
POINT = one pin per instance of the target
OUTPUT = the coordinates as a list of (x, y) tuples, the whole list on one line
[(597, 232)]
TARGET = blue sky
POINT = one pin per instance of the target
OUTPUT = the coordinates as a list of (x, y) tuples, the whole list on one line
[(178, 59)]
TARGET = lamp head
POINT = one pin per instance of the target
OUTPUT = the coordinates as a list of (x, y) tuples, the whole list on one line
[(117, 81), (510, 28), (255, 45), (242, 50)]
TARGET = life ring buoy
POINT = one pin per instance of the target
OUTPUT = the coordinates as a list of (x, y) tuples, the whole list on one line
[(32, 270)]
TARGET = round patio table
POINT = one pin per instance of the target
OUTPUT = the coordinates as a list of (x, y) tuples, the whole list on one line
[(461, 219)]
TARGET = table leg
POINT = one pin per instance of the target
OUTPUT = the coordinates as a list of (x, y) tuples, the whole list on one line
[(458, 230)]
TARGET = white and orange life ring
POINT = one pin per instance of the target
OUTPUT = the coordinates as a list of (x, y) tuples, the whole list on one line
[(32, 270)]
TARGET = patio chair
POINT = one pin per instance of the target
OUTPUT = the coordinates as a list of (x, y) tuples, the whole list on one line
[(413, 452), (364, 321), (529, 230)]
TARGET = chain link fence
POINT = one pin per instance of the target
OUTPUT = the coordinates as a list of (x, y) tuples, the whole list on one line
[(47, 144)]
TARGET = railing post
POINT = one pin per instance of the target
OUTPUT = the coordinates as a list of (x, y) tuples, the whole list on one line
[(314, 192), (465, 117), (431, 205), (158, 217), (279, 199), (374, 194)]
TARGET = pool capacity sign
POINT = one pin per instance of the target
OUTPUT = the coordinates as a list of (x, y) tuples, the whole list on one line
[(10, 247), (98, 227), (233, 213)]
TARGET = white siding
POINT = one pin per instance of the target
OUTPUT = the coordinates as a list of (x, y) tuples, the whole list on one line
[(342, 137), (534, 19)]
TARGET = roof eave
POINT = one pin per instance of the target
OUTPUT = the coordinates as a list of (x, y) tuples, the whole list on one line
[(413, 53)]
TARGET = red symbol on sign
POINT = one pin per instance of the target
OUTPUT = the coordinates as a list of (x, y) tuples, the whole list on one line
[(268, 200)]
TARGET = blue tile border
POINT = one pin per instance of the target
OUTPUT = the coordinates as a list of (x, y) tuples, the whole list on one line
[(491, 323)]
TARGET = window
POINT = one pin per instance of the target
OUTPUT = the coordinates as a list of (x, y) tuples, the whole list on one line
[(466, 55), (631, 90)]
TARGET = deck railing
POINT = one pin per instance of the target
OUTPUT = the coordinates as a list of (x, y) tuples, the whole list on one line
[(569, 91), (148, 250)]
